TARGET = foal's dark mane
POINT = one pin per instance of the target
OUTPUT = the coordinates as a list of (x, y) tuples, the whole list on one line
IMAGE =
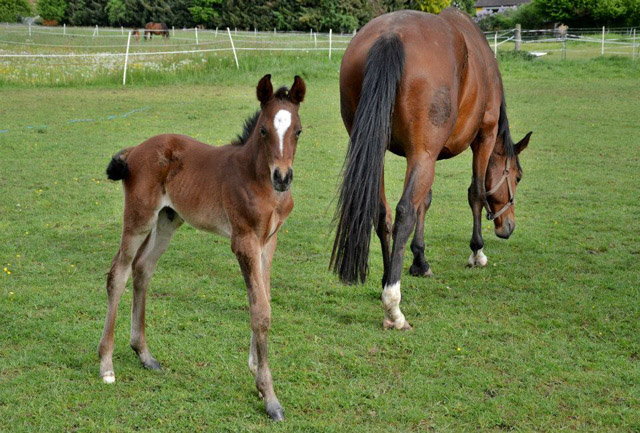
[(252, 121), (247, 129)]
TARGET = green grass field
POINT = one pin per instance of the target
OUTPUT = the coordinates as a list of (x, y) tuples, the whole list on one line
[(546, 338)]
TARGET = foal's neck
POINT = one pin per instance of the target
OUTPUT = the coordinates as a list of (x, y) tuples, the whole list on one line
[(254, 161)]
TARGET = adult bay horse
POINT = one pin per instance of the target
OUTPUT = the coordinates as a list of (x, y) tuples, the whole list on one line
[(152, 28), (424, 87), (240, 191)]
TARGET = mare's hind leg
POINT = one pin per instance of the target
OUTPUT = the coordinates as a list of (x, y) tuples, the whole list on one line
[(482, 148), (384, 226), (420, 267), (418, 180), (144, 266), (132, 239)]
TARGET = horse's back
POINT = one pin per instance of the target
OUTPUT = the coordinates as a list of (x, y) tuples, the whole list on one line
[(449, 74)]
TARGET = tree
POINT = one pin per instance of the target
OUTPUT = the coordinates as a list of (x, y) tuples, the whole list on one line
[(51, 9), (468, 6), (433, 6), (12, 10), (116, 12)]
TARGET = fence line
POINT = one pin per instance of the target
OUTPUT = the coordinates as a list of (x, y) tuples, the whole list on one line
[(201, 42)]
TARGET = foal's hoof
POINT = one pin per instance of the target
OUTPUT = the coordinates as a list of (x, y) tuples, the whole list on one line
[(418, 271), (275, 412), (152, 364), (109, 377), (404, 326)]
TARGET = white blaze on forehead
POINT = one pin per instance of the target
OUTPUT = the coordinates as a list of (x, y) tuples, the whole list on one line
[(281, 122)]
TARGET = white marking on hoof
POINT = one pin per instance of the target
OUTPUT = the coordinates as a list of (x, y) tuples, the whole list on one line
[(282, 121), (391, 297), (478, 259), (109, 377)]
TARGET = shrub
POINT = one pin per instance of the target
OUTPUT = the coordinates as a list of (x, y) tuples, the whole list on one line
[(12, 10)]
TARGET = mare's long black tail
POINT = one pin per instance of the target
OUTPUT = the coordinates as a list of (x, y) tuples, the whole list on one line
[(359, 198)]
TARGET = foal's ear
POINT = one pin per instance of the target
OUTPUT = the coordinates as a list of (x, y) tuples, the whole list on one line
[(298, 90), (264, 89), (522, 144)]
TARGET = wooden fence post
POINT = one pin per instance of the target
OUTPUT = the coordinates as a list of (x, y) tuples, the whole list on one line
[(518, 37)]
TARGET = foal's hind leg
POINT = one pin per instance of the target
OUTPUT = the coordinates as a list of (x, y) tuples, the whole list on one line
[(117, 278), (143, 267), (420, 267)]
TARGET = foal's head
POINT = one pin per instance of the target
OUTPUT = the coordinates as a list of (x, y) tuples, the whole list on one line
[(503, 175), (278, 128)]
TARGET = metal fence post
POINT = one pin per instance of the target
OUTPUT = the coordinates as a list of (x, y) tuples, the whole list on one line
[(126, 60), (235, 56)]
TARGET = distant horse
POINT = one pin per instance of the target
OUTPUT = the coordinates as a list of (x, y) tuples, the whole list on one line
[(136, 34), (151, 29), (424, 87), (240, 191)]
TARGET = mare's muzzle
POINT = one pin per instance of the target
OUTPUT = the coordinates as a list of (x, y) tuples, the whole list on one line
[(282, 183)]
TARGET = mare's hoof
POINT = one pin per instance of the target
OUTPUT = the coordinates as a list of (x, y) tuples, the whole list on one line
[(275, 412), (418, 271), (152, 364), (109, 377), (477, 260), (388, 324)]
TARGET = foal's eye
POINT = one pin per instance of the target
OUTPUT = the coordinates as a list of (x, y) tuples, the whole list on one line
[(263, 131), (298, 132)]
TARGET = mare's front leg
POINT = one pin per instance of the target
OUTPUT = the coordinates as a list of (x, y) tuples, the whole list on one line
[(482, 148), (420, 267), (418, 180), (248, 251)]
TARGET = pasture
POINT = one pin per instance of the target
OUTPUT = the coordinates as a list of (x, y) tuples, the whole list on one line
[(543, 339)]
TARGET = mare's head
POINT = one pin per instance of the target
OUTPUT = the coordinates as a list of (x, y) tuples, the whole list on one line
[(278, 128), (503, 175)]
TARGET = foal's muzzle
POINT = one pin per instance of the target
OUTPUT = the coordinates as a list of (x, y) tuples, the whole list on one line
[(282, 183)]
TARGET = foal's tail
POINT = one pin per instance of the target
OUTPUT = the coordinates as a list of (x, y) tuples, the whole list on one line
[(118, 168), (359, 199)]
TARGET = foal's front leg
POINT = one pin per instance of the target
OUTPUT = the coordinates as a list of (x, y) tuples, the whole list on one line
[(248, 252), (267, 256)]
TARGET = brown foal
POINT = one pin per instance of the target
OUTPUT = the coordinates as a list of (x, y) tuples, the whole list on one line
[(240, 191), (425, 87)]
